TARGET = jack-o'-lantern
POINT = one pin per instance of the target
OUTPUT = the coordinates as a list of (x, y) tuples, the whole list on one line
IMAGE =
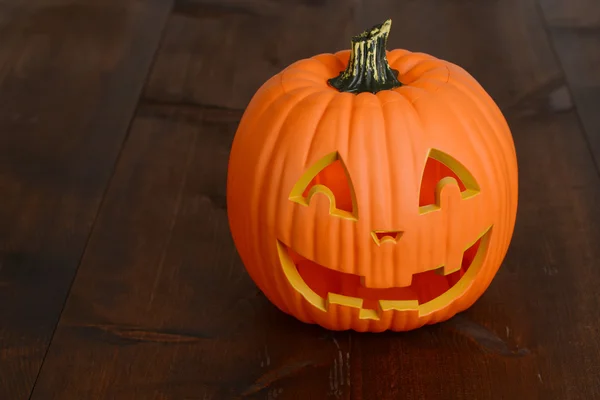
[(372, 190)]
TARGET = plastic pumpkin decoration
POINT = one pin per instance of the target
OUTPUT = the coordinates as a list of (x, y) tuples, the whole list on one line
[(372, 190)]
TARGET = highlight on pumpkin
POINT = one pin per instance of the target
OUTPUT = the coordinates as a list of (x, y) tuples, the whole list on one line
[(429, 290), (328, 177), (438, 166)]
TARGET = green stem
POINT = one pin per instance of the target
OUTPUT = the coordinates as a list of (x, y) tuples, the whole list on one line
[(368, 69)]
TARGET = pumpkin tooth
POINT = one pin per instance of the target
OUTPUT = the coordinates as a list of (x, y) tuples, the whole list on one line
[(444, 271), (340, 299), (399, 305), (405, 280), (366, 313)]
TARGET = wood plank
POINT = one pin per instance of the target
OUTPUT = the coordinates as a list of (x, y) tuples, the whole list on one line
[(248, 42), (70, 75), (571, 14), (533, 334), (574, 27), (502, 44), (170, 261), (162, 306)]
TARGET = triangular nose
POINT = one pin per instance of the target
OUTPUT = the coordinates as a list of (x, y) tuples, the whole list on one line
[(381, 237)]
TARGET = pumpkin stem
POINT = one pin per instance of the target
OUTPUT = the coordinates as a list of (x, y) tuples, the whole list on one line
[(368, 69)]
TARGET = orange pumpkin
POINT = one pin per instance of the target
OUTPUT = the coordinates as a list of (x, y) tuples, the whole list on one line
[(380, 197)]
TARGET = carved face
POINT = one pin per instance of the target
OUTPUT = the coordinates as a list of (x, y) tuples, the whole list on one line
[(455, 265), (372, 212)]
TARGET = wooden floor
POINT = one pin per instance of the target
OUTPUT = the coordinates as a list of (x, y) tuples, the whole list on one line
[(118, 275)]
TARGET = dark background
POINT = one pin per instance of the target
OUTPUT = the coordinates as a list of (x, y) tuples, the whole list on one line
[(118, 275)]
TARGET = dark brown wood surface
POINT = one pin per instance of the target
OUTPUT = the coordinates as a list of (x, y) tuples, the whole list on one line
[(574, 27), (118, 275), (71, 73)]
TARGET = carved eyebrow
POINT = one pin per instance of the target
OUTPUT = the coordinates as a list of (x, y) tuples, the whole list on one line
[(439, 166), (328, 176)]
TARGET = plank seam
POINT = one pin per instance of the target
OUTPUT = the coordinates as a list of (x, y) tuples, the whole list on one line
[(103, 196)]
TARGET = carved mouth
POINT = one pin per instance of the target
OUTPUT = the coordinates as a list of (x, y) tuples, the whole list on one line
[(430, 290)]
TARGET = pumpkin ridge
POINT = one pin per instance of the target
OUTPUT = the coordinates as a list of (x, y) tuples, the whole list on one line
[(503, 162), (321, 58), (394, 174), (350, 122), (275, 154), (480, 146), (410, 61), (479, 103), (388, 186), (257, 209), (396, 55), (316, 130), (492, 125), (244, 126)]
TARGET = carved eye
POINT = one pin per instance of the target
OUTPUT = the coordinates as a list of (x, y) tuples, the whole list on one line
[(330, 177), (439, 166)]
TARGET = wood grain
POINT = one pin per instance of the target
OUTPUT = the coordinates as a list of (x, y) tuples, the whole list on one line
[(70, 76), (248, 42), (503, 44), (162, 307), (574, 28)]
